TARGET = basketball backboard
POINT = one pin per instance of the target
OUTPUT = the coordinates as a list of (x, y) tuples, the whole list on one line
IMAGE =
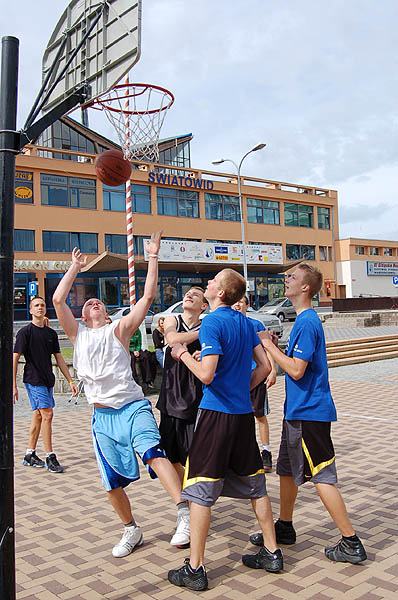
[(111, 49)]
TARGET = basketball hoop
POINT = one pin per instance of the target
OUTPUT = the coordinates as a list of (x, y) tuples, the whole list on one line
[(137, 112)]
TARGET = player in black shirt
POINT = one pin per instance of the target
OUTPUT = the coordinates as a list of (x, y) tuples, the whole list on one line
[(38, 342)]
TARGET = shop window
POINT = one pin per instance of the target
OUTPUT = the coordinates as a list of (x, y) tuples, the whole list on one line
[(323, 218), (116, 243), (360, 250), (65, 241), (298, 251), (109, 291), (24, 240), (23, 187), (177, 203), (222, 208), (262, 211), (72, 192), (299, 215)]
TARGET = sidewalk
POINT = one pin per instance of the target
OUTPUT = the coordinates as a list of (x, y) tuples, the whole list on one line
[(66, 529)]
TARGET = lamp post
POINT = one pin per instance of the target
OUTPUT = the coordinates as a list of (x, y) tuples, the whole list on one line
[(242, 223)]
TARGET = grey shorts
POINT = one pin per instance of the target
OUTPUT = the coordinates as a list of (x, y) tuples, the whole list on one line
[(306, 452)]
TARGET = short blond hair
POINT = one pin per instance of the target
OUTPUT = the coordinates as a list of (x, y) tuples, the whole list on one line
[(312, 277), (233, 286)]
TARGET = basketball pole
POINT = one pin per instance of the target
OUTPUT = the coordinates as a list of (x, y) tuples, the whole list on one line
[(9, 147), (129, 209)]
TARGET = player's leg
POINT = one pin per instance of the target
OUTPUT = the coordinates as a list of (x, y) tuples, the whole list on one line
[(31, 459), (259, 400)]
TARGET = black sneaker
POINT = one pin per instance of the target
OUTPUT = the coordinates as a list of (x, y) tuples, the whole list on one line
[(186, 577), (285, 534), (264, 559), (347, 551), (32, 460), (267, 460), (53, 465)]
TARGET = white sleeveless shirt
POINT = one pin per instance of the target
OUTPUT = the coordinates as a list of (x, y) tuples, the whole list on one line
[(103, 364)]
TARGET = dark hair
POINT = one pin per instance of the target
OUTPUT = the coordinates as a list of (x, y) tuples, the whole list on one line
[(36, 298), (312, 277), (233, 286), (198, 287)]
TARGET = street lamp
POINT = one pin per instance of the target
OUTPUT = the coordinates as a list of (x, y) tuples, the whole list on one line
[(242, 224)]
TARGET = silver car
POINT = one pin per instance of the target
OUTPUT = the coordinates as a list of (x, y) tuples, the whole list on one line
[(281, 307), (269, 321), (118, 313)]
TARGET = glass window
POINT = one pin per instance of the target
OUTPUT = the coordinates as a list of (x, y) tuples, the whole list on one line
[(108, 291), (262, 211), (24, 240), (323, 218), (141, 198), (139, 244), (360, 250), (65, 241), (325, 253), (388, 252), (178, 203), (116, 243), (23, 187), (222, 208), (297, 251), (74, 192), (298, 215), (374, 251), (114, 197)]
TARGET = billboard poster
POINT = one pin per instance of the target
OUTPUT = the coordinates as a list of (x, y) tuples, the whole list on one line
[(382, 269)]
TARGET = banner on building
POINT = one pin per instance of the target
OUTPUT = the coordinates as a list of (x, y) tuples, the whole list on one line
[(176, 251), (386, 269)]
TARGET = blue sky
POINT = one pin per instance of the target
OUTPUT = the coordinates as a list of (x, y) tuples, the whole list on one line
[(316, 80)]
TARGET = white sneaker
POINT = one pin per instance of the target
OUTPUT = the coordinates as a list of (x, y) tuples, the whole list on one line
[(182, 534), (131, 538)]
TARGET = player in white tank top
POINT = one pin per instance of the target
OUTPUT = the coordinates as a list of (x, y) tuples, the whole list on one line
[(102, 362)]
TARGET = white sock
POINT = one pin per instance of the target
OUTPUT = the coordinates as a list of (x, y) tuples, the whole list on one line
[(49, 453), (266, 447), (30, 450)]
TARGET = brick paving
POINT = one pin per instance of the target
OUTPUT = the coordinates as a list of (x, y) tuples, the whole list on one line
[(66, 529)]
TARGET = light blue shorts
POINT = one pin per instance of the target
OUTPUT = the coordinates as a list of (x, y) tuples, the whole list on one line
[(118, 436), (40, 396)]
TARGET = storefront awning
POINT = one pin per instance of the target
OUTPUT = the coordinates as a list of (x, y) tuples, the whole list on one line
[(107, 261)]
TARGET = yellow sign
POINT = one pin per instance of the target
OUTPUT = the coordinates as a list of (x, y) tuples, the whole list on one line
[(23, 192)]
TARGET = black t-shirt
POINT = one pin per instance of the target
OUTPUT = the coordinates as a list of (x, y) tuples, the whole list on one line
[(158, 339), (37, 344)]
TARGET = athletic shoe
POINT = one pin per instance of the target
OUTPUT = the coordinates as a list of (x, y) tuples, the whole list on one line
[(132, 538), (182, 533), (285, 534), (186, 577), (52, 464), (347, 551), (32, 460), (264, 559), (267, 460)]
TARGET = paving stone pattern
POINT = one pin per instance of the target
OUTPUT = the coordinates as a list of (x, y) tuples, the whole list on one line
[(66, 529)]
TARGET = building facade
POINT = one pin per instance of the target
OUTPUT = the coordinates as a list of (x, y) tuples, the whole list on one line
[(61, 204), (366, 267)]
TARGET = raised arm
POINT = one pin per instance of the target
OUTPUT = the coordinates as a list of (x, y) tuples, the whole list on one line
[(64, 313), (173, 337), (203, 370), (130, 323)]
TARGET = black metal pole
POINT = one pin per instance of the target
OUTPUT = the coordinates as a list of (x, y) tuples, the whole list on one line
[(8, 147)]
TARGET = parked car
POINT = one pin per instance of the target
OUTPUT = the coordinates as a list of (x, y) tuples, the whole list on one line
[(118, 313), (269, 321), (281, 307)]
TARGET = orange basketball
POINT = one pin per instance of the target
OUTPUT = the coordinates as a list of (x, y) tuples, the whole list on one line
[(112, 168)]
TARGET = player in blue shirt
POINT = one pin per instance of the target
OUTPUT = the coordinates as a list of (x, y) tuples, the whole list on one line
[(224, 458), (306, 451)]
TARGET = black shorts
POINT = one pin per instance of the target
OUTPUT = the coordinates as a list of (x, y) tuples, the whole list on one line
[(259, 400), (306, 452), (176, 437), (224, 459)]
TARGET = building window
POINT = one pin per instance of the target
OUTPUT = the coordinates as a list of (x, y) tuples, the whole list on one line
[(116, 243), (323, 218), (72, 192), (24, 240), (23, 187), (114, 198), (178, 203), (388, 252), (374, 251), (262, 211), (297, 251), (65, 241), (360, 250), (139, 244), (222, 208), (325, 253), (299, 215)]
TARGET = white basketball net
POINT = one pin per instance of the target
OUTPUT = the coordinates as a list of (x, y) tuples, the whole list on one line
[(137, 113)]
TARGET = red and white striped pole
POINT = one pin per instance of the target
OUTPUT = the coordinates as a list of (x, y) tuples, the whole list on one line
[(129, 209)]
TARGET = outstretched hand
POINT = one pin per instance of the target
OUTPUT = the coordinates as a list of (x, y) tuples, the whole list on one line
[(153, 245), (78, 259)]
